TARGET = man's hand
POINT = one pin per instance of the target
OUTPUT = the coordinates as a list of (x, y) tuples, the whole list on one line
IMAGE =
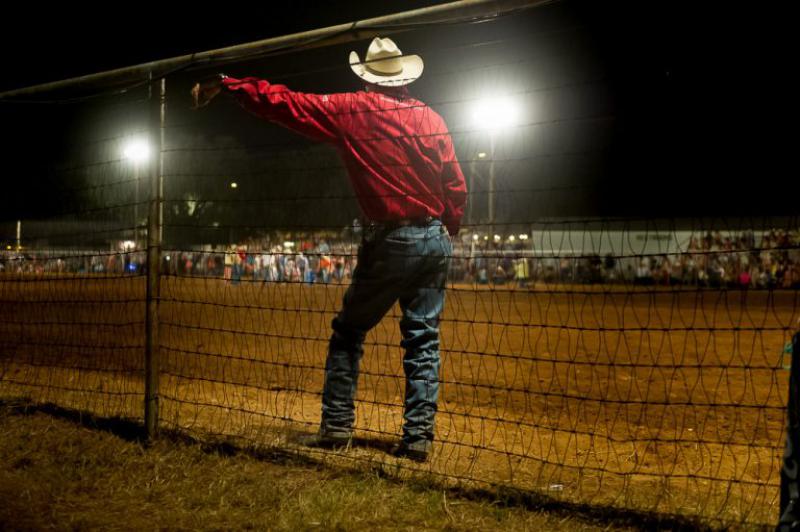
[(205, 91)]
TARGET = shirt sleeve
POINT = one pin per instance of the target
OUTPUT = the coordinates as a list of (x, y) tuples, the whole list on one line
[(454, 187), (316, 116)]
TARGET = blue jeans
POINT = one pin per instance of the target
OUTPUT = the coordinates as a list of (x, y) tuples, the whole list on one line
[(405, 264)]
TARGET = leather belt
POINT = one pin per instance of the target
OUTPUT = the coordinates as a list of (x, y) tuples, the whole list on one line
[(405, 222)]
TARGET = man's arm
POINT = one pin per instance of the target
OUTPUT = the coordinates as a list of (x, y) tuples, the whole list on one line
[(205, 91), (313, 115), (454, 187)]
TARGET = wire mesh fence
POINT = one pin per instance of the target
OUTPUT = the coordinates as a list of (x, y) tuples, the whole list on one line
[(72, 287), (629, 362)]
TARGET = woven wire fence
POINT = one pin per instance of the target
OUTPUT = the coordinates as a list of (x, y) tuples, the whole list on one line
[(71, 282), (631, 363)]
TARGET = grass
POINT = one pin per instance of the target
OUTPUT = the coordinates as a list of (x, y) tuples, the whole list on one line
[(59, 474)]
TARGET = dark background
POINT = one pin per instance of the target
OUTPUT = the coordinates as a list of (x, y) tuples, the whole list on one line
[(687, 100)]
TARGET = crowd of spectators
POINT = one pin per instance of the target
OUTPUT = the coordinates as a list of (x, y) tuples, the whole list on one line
[(71, 261), (313, 261), (743, 260), (713, 260)]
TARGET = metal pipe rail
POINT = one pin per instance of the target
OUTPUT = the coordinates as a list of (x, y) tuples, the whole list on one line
[(353, 31)]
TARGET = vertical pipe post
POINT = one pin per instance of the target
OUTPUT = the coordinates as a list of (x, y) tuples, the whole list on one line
[(154, 239), (470, 192), (491, 187), (136, 243), (790, 472)]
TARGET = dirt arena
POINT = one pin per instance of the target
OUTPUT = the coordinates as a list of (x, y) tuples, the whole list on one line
[(666, 400)]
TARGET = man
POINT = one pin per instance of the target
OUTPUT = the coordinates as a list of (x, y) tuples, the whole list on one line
[(402, 166)]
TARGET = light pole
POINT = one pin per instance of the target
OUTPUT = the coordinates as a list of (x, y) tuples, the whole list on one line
[(494, 114), (481, 156), (234, 186), (137, 151), (491, 182)]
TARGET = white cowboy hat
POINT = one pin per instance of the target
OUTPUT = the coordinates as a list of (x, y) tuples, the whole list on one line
[(386, 65)]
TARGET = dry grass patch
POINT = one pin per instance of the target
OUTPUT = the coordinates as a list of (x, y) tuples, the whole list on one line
[(57, 474)]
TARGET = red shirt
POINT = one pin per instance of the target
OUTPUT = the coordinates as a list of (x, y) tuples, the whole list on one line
[(398, 152)]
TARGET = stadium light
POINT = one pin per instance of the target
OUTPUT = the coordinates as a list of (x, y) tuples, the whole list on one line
[(136, 150), (494, 113)]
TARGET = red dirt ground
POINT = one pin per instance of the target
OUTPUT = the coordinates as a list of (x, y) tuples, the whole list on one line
[(670, 400)]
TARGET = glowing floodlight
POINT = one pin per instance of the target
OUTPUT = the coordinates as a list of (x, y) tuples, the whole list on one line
[(137, 151), (495, 112)]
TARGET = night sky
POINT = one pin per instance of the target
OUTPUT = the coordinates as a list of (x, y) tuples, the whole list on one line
[(693, 92)]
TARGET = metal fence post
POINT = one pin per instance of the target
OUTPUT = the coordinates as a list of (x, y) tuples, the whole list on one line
[(154, 238), (790, 472)]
